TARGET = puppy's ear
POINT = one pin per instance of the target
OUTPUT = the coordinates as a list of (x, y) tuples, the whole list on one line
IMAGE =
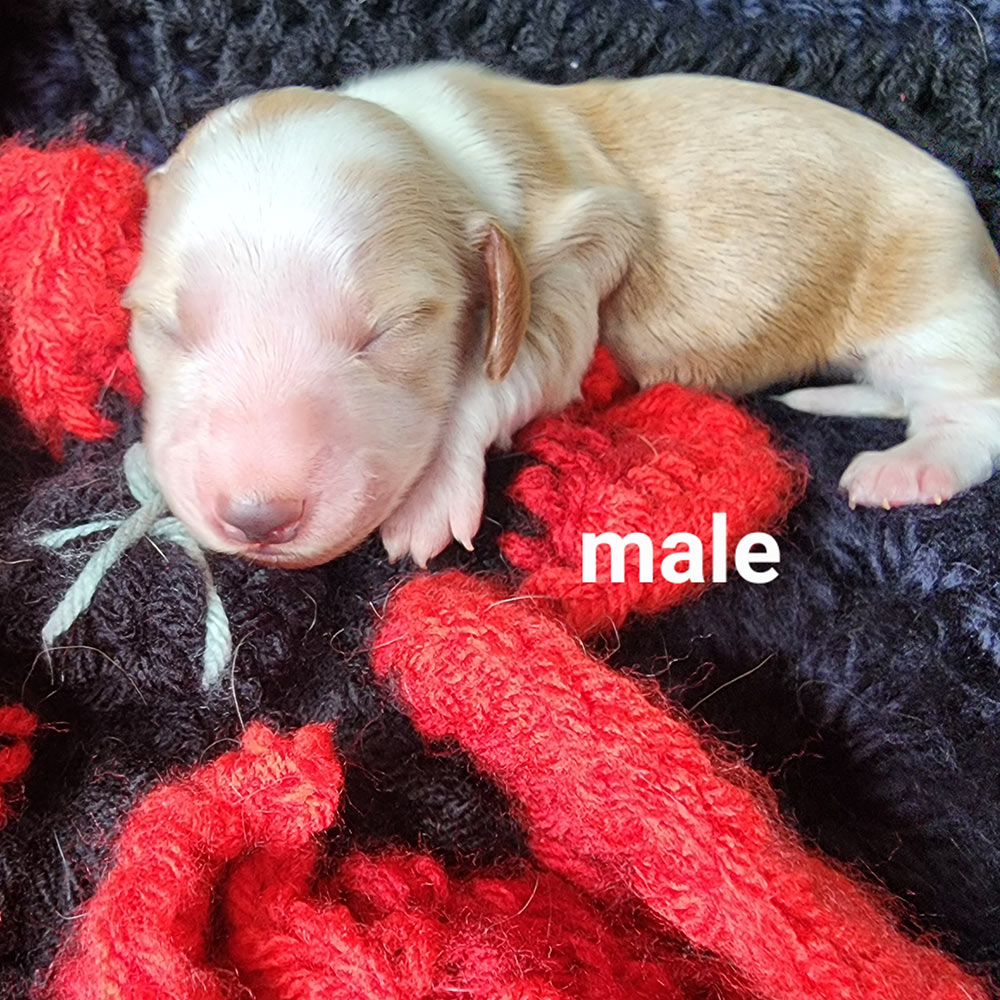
[(509, 294), (132, 296)]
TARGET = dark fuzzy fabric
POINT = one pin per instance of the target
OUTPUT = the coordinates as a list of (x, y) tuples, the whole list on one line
[(875, 684), (865, 680), (122, 704), (141, 72)]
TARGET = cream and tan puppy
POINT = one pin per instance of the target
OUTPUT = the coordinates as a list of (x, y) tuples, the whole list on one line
[(345, 298)]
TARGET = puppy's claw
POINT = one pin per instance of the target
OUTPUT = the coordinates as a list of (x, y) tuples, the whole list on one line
[(938, 500), (886, 505), (392, 551), (423, 548), (852, 503), (446, 503)]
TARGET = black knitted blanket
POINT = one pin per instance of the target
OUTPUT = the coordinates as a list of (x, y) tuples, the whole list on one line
[(864, 682)]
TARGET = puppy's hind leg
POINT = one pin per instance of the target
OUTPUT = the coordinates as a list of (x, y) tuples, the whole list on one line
[(852, 400), (947, 375)]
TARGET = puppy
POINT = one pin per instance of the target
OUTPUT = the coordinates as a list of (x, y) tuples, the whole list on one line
[(345, 298)]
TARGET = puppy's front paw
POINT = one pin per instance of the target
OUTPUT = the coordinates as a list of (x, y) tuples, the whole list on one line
[(446, 503)]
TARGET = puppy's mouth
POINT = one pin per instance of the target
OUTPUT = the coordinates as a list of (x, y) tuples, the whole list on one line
[(290, 548), (280, 557), (314, 542)]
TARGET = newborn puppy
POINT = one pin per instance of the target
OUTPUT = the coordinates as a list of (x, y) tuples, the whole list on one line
[(345, 298)]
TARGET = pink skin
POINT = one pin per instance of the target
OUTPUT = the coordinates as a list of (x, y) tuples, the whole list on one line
[(244, 409), (309, 449), (306, 449)]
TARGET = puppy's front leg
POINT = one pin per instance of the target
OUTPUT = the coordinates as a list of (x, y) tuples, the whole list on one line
[(447, 501), (579, 255)]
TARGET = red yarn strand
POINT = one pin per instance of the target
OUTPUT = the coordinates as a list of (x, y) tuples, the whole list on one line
[(147, 932), (658, 462), (69, 228), (17, 726), (242, 832), (623, 800)]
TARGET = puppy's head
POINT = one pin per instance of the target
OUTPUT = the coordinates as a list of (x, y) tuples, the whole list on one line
[(305, 306)]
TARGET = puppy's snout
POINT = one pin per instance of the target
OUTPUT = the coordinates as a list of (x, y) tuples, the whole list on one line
[(258, 520)]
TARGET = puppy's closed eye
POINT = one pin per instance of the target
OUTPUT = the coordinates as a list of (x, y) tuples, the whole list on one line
[(406, 322)]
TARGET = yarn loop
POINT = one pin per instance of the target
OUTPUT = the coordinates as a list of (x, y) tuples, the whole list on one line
[(147, 521)]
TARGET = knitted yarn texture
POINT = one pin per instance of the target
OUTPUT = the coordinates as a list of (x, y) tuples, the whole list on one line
[(17, 726), (614, 464), (863, 682), (622, 799), (69, 227), (244, 836), (243, 829), (140, 72), (147, 521)]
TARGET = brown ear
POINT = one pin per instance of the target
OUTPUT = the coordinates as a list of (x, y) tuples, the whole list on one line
[(510, 301)]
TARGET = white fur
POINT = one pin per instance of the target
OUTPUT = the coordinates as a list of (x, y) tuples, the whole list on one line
[(937, 377), (257, 274), (451, 125)]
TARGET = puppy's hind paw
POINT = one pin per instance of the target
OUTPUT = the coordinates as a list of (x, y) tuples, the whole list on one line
[(922, 470)]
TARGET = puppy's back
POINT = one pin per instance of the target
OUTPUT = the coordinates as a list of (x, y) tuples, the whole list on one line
[(788, 232)]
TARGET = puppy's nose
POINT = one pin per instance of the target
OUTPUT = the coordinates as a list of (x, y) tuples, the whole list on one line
[(270, 521)]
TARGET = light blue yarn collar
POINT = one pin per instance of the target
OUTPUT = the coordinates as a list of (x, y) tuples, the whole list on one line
[(149, 520)]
